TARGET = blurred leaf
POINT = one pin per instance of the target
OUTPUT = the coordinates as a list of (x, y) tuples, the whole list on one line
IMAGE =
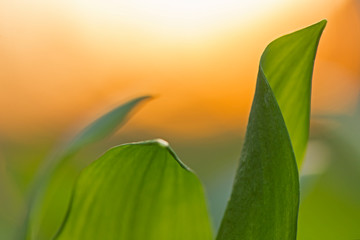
[(307, 183), (104, 126), (334, 203), (39, 199), (265, 199), (134, 192), (341, 133), (328, 213)]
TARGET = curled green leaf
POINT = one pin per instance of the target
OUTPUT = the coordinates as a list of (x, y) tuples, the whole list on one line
[(265, 199)]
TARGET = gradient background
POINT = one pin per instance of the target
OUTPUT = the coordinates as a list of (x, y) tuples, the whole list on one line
[(63, 63)]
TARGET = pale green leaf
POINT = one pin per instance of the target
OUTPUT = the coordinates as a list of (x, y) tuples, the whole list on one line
[(104, 126), (265, 199), (137, 191), (40, 203)]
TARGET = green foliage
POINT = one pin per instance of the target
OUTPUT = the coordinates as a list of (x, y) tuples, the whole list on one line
[(137, 191), (42, 206), (104, 126), (287, 65), (143, 191), (265, 199), (334, 202)]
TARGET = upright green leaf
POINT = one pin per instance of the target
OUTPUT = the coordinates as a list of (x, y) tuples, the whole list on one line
[(41, 198), (137, 191), (265, 199), (288, 64)]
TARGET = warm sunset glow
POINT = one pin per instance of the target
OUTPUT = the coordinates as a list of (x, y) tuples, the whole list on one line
[(187, 18), (60, 60)]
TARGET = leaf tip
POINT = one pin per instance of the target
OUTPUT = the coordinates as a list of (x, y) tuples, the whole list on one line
[(145, 97), (317, 28), (321, 24), (161, 142)]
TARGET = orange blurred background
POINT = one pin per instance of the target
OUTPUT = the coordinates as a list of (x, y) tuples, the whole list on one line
[(66, 61)]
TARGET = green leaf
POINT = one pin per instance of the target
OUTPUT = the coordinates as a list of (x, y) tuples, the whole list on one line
[(104, 126), (137, 191), (265, 199), (40, 209), (288, 64)]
